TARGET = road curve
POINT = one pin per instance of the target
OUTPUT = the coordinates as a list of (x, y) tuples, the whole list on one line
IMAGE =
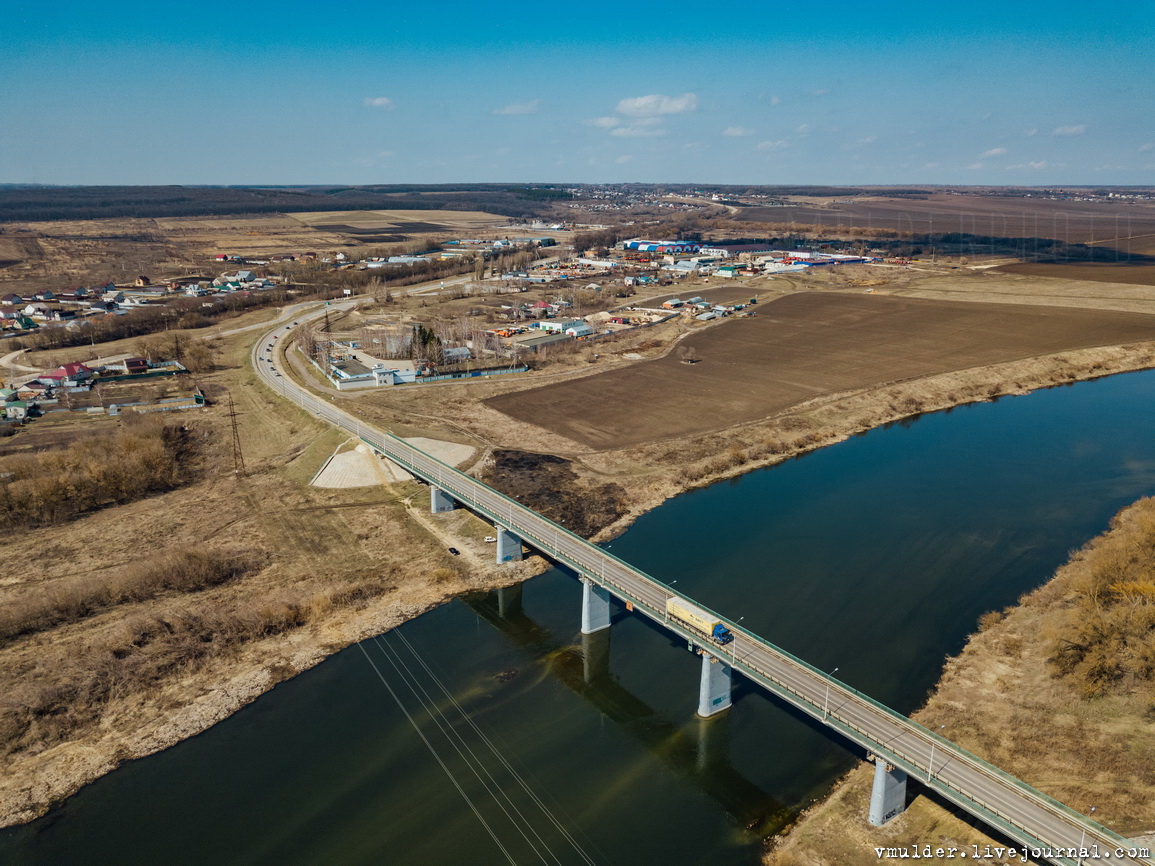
[(1002, 801)]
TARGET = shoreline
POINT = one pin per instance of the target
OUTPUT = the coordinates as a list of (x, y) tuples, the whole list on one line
[(34, 784), (1091, 749)]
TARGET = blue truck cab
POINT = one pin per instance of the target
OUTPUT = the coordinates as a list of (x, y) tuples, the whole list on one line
[(721, 635)]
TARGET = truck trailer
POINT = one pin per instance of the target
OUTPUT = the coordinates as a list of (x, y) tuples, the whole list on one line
[(698, 620)]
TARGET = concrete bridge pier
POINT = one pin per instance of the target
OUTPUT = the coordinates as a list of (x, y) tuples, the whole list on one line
[(595, 607), (596, 656), (714, 687), (508, 546), (888, 796), (440, 501), (509, 600)]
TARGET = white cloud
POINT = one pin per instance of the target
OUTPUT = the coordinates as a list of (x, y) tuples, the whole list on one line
[(821, 92), (1143, 148), (772, 145), (1069, 130), (640, 126), (379, 102), (384, 153), (1042, 163), (621, 160), (637, 130), (775, 100), (1032, 131), (519, 107), (802, 128), (603, 122), (656, 104), (974, 166), (870, 139), (994, 151), (736, 131)]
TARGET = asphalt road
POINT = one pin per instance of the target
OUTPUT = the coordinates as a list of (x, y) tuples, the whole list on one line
[(998, 799)]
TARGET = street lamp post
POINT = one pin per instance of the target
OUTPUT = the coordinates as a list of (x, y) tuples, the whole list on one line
[(930, 764), (1083, 837), (826, 700)]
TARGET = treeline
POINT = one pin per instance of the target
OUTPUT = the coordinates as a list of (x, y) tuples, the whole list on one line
[(100, 202), (147, 456), (183, 313), (1104, 641)]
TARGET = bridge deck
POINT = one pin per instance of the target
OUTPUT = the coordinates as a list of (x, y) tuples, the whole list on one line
[(1001, 800)]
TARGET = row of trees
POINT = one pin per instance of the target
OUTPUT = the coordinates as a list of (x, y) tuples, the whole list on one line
[(143, 458)]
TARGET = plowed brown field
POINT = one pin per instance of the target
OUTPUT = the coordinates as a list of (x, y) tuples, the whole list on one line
[(800, 347)]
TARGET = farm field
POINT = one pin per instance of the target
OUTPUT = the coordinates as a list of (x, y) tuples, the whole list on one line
[(800, 347), (1127, 226), (440, 220), (1133, 274)]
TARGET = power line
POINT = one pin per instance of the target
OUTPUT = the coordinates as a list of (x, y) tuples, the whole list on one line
[(238, 458), (447, 729), (433, 751), (497, 752)]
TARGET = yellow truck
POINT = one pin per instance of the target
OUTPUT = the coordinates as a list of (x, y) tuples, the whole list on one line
[(698, 620)]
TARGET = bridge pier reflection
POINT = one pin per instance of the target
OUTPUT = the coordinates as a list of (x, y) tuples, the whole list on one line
[(509, 600), (596, 657), (713, 743), (699, 754)]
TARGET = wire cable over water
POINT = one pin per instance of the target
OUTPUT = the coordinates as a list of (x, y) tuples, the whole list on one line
[(525, 825)]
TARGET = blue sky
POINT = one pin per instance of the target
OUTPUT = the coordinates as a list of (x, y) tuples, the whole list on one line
[(350, 92)]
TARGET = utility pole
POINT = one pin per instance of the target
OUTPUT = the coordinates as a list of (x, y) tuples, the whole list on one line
[(238, 457)]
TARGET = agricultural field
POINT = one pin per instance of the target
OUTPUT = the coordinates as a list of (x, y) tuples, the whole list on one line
[(1127, 226), (65, 253), (800, 347)]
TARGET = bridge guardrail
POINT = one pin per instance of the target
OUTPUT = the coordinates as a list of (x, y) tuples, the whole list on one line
[(402, 451)]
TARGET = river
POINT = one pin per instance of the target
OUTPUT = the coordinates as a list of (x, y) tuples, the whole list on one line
[(483, 733)]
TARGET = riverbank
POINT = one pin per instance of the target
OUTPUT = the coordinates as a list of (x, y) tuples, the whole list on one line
[(143, 724), (1005, 699)]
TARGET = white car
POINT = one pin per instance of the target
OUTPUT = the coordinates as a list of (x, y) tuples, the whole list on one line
[(489, 539)]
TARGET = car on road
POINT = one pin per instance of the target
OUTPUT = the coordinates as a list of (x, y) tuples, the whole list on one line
[(455, 551)]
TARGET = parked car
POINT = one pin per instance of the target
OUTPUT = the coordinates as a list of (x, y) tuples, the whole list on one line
[(455, 551)]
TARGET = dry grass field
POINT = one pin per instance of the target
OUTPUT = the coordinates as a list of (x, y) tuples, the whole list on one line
[(800, 347)]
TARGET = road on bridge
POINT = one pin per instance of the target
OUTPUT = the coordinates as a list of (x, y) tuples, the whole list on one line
[(997, 798)]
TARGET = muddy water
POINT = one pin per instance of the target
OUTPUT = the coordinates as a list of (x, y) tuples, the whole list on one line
[(485, 732)]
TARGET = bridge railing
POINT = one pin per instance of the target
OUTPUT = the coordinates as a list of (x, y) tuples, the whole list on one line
[(400, 451)]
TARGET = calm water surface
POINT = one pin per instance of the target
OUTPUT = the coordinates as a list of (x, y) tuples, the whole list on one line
[(875, 556)]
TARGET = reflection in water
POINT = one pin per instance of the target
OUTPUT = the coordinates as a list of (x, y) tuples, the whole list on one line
[(702, 756)]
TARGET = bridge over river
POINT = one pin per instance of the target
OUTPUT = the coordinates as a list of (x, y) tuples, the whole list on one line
[(900, 748)]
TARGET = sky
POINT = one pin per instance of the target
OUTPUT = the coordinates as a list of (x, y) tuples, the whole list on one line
[(1017, 92)]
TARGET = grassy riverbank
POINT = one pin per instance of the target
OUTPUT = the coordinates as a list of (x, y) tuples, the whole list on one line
[(327, 568), (1079, 729)]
